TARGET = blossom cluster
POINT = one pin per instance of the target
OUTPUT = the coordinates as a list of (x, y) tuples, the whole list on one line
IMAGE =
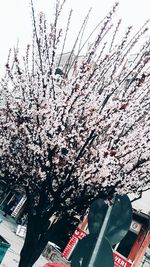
[(87, 129)]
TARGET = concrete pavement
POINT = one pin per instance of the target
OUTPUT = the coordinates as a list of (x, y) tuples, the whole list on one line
[(7, 231)]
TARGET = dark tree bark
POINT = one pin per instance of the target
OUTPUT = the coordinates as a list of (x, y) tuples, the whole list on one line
[(39, 230), (37, 227), (31, 240), (37, 238)]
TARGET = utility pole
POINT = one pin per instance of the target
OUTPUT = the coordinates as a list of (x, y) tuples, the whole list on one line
[(101, 236)]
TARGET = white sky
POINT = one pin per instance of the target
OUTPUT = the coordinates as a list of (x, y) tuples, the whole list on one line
[(15, 18), (143, 204)]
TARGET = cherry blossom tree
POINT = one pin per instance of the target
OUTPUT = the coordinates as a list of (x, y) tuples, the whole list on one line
[(71, 136)]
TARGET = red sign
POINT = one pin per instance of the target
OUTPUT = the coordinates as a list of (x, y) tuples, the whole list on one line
[(120, 261), (77, 235)]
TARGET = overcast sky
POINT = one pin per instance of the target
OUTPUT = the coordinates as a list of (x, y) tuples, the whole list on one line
[(16, 23)]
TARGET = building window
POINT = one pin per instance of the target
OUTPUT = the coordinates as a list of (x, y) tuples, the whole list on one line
[(127, 243)]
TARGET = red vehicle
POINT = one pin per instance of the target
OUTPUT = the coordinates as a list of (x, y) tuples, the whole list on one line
[(56, 265)]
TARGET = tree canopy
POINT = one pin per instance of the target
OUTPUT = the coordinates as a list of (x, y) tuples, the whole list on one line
[(74, 131), (83, 131)]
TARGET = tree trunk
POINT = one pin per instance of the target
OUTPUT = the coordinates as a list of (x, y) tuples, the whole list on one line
[(35, 241), (50, 235), (31, 240), (28, 261), (39, 232), (37, 253)]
